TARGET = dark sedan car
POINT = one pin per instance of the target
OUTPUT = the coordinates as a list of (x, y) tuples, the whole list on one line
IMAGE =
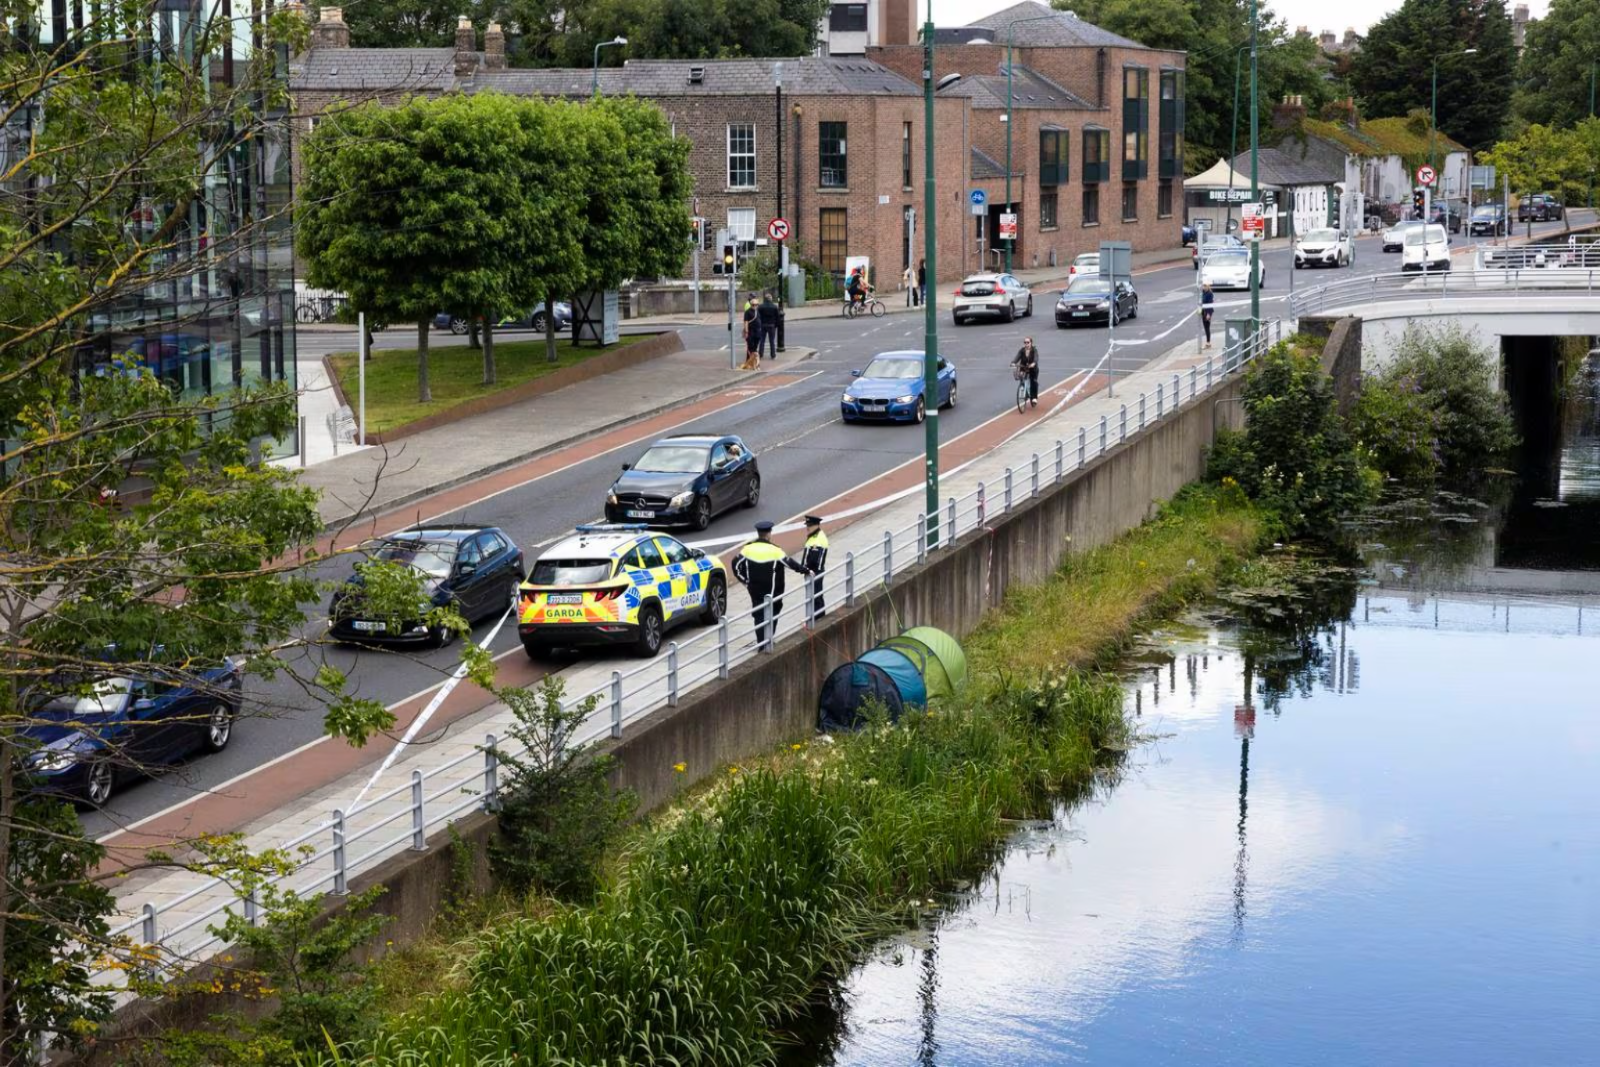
[(686, 481), (476, 569), (1538, 207), (93, 737), (1087, 302), (1488, 220), (532, 320)]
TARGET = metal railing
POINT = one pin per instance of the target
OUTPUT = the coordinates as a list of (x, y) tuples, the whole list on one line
[(402, 817), (1454, 284)]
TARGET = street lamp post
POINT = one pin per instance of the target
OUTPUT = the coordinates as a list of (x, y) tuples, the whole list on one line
[(930, 302), (617, 42), (1433, 126), (1011, 32), (1233, 152), (1255, 171)]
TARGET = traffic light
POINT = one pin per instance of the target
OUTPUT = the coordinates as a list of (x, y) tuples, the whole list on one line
[(695, 233), (1417, 199), (729, 259)]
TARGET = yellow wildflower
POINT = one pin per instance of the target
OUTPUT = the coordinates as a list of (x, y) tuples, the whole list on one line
[(680, 767)]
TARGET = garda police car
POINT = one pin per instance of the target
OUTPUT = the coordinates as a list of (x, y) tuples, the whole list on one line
[(617, 583)]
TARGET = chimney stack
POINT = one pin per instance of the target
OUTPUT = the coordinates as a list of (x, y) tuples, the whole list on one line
[(466, 48), (494, 47), (330, 30)]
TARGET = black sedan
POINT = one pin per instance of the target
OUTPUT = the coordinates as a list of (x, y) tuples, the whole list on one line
[(475, 569), (686, 481), (1488, 221), (1087, 302)]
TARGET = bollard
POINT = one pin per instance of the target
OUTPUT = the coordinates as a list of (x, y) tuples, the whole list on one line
[(888, 555), (1035, 491), (616, 703), (1006, 499), (1102, 435), (302, 442), (1122, 419), (419, 838), (1082, 437), (672, 671), (339, 886), (722, 640), (950, 524), (491, 774), (849, 581), (1061, 452)]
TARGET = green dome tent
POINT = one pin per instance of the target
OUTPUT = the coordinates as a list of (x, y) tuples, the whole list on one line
[(937, 656)]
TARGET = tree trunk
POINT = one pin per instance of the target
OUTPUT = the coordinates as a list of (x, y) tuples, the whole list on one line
[(424, 390), (472, 334), (488, 350), (550, 329)]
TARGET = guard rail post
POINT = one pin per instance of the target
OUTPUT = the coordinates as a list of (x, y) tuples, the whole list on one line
[(339, 885), (888, 555), (722, 641), (1141, 411), (1158, 401), (1210, 372), (771, 636), (252, 907), (1083, 437), (672, 666), (922, 537), (849, 581), (1177, 391), (1061, 456), (1122, 423), (419, 836), (983, 504), (1103, 421), (616, 703), (950, 524), (1005, 498), (1194, 382), (149, 965), (1035, 491), (491, 774)]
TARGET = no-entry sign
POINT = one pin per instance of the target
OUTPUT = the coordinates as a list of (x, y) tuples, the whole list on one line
[(778, 229), (1425, 175)]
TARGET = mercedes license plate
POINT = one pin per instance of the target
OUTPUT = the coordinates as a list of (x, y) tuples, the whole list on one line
[(369, 627), (641, 514), (564, 598)]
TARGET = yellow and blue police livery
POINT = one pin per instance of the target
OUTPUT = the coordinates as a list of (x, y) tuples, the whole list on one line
[(617, 584)]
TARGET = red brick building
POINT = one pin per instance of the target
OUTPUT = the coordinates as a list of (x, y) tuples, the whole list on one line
[(849, 133)]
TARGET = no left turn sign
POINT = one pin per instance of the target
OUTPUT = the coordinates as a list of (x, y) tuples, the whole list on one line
[(778, 229)]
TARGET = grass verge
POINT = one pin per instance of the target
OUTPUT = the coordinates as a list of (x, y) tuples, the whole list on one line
[(722, 915), (455, 373)]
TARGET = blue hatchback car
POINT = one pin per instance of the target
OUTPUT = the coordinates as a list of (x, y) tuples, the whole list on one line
[(88, 742), (891, 389)]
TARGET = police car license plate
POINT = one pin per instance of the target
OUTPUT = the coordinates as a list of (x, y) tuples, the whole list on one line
[(369, 627), (564, 598), (641, 514)]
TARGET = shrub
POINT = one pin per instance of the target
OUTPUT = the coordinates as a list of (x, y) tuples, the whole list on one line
[(1397, 428)]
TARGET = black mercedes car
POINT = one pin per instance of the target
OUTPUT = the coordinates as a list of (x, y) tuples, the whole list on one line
[(1087, 302), (475, 568), (686, 481)]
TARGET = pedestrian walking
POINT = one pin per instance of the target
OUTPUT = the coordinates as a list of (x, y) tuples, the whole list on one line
[(767, 316), (1027, 364), (922, 281), (909, 284), (815, 560), (752, 335), (1208, 303), (759, 566)]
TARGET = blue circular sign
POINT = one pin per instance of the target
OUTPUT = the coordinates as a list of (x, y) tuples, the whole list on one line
[(979, 197)]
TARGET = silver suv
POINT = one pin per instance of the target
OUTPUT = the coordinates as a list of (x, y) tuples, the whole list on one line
[(999, 295)]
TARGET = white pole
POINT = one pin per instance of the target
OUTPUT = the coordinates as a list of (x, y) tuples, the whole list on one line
[(361, 377)]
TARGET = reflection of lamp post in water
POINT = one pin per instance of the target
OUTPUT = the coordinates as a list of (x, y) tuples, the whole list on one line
[(1244, 727), (927, 991)]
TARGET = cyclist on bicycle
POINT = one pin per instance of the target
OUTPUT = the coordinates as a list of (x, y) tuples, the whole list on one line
[(1026, 364), (857, 288)]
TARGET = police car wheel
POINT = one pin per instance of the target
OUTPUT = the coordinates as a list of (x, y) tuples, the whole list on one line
[(716, 602), (701, 516), (649, 640)]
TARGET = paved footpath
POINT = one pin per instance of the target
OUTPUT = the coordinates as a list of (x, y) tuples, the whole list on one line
[(185, 904)]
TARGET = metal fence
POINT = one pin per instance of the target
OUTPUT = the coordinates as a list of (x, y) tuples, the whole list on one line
[(354, 840), (1567, 278)]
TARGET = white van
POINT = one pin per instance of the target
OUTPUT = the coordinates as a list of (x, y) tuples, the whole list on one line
[(1426, 248)]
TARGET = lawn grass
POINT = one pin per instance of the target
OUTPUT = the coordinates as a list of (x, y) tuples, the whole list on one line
[(455, 373)]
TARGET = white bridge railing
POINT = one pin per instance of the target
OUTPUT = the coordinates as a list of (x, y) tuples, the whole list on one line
[(1552, 278), (351, 841)]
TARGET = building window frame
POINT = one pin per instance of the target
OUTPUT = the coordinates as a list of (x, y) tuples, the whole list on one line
[(1135, 122), (737, 217), (1091, 205), (1054, 147), (847, 18), (1130, 201), (1049, 209), (833, 239), (833, 163), (1096, 154), (1173, 114), (905, 155), (741, 148), (1164, 199)]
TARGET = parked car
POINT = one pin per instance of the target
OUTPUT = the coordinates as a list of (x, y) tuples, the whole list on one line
[(1187, 234), (891, 389), (1488, 220), (532, 320), (999, 295), (1229, 268), (1427, 248), (1087, 263), (1087, 302), (1539, 207), (1394, 238), (90, 738), (1324, 248), (687, 480), (476, 569), (1213, 243)]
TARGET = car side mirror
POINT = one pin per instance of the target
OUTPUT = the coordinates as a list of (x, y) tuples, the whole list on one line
[(855, 374), (466, 570), (697, 553), (627, 466)]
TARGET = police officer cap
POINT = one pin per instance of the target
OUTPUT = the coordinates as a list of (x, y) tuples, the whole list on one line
[(813, 520), (763, 526)]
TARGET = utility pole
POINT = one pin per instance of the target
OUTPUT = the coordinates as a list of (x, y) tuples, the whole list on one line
[(930, 343), (1011, 34), (1233, 152), (1255, 171)]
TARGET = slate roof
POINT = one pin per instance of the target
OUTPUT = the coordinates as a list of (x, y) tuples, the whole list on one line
[(332, 69), (1029, 89), (1281, 169), (986, 166), (1064, 29), (805, 76)]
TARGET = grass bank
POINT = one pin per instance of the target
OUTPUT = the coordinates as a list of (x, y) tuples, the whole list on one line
[(455, 373), (723, 913)]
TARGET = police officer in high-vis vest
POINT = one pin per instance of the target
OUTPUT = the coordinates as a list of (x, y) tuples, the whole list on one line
[(815, 560), (759, 565)]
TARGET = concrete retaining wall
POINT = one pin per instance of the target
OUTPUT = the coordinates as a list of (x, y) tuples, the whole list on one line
[(1341, 353)]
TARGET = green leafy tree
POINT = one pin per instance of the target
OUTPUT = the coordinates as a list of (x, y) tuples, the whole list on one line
[(1543, 158), (1556, 70), (1393, 72), (565, 34), (410, 23)]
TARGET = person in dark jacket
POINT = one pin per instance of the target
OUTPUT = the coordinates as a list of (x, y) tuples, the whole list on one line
[(1208, 304), (767, 316), (760, 565), (922, 280), (814, 560), (752, 335), (1027, 364)]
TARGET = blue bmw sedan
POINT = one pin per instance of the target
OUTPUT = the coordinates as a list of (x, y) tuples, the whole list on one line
[(891, 389)]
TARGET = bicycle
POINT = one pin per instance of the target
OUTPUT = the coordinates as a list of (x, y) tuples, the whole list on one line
[(872, 304), (1022, 389)]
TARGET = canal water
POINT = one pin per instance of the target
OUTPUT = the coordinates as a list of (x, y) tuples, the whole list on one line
[(1364, 829)]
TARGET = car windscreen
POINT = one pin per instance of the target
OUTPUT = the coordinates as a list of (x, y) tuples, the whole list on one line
[(1231, 257), (1322, 237), (1095, 285), (902, 369), (1088, 259), (977, 286), (674, 459), (433, 558), (1485, 212), (570, 571), (103, 698)]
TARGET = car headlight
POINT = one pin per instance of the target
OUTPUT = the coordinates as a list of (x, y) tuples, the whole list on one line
[(1102, 303), (908, 398), (846, 398), (683, 499), (58, 756), (611, 495)]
